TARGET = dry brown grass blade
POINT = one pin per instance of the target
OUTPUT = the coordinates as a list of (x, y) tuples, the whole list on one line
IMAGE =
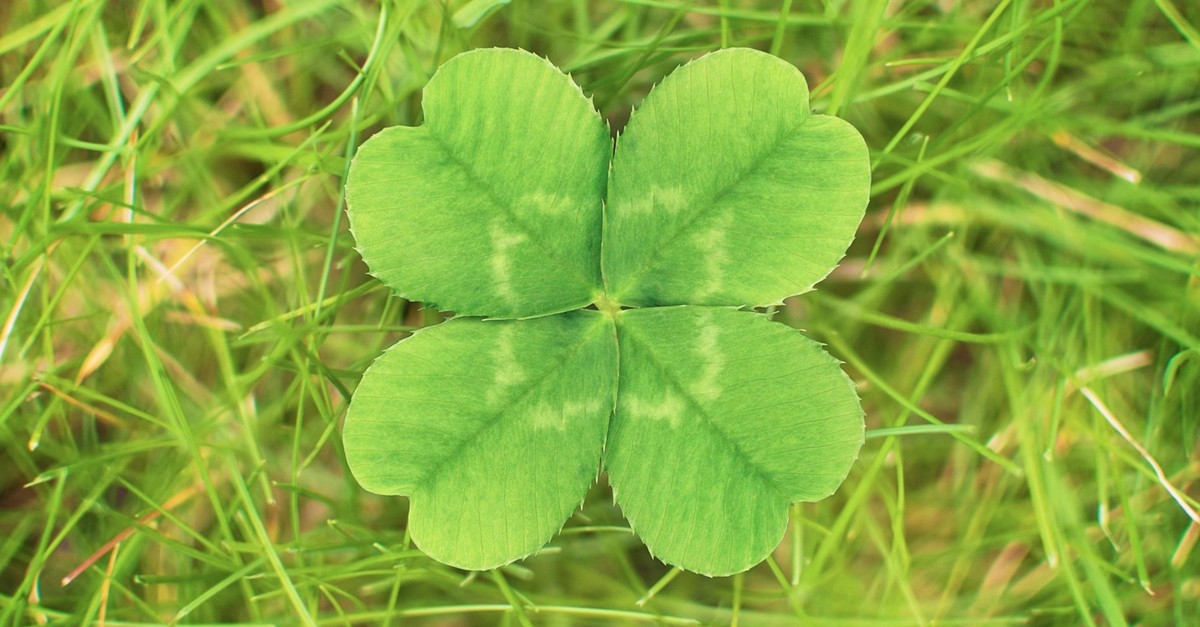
[(104, 416), (175, 501), (1186, 544), (999, 576), (1060, 195), (1163, 480), (1096, 157)]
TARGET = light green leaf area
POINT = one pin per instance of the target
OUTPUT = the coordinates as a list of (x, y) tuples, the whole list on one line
[(723, 419), (493, 429), (726, 190), (493, 206)]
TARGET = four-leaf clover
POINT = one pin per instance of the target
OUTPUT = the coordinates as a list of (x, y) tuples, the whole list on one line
[(510, 207)]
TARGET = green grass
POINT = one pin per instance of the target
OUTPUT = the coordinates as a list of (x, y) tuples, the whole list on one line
[(183, 315)]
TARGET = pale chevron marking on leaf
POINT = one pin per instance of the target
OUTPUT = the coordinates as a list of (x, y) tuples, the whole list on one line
[(508, 372), (558, 416), (708, 388), (712, 246), (669, 408), (502, 241), (543, 202), (665, 199)]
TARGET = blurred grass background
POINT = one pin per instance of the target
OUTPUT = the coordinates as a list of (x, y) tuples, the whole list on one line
[(183, 315)]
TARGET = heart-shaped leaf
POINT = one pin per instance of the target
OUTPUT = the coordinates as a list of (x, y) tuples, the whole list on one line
[(492, 428), (726, 190), (723, 419), (493, 206)]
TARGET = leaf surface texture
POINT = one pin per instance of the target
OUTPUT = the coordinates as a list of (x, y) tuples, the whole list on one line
[(493, 206), (492, 428), (723, 419), (725, 190)]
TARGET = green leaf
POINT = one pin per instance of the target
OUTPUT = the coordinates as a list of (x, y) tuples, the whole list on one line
[(723, 419), (493, 206), (493, 428), (725, 190)]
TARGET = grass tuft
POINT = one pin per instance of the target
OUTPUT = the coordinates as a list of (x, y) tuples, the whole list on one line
[(183, 315)]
